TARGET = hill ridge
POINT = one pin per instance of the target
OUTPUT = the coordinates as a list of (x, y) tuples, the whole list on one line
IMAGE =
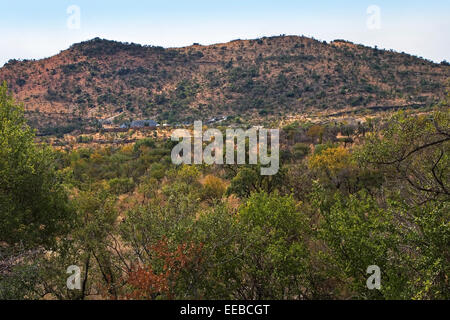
[(265, 77)]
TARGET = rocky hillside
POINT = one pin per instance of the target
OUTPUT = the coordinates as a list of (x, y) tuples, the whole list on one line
[(100, 79)]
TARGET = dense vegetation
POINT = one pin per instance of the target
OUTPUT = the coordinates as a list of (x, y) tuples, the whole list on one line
[(253, 79), (141, 228)]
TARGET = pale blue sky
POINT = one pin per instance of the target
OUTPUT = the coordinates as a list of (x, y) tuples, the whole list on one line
[(38, 29)]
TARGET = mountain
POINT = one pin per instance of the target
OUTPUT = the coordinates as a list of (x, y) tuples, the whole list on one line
[(271, 76)]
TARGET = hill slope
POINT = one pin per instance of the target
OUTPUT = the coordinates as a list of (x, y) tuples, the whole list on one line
[(98, 79)]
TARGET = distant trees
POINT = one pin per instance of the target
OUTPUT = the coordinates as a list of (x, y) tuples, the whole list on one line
[(301, 150), (348, 130), (316, 133), (331, 160), (85, 139), (120, 186)]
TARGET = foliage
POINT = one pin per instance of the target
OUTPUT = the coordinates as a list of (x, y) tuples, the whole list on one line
[(248, 179), (34, 206), (213, 188), (140, 227), (414, 153), (146, 283), (275, 261)]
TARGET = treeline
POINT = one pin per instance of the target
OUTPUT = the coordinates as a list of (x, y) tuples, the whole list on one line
[(139, 227)]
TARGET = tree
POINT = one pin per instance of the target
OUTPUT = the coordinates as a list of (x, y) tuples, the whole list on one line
[(301, 150), (316, 132), (331, 161), (413, 152), (357, 233), (348, 130), (92, 246), (34, 206), (146, 282), (248, 179), (275, 261), (408, 244)]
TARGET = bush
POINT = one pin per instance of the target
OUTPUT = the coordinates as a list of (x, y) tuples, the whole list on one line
[(120, 186), (213, 188), (301, 150)]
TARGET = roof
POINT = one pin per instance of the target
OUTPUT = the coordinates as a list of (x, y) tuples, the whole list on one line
[(143, 123)]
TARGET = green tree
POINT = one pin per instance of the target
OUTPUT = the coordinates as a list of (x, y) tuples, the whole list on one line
[(275, 261), (409, 244), (301, 150), (357, 233), (34, 206), (249, 179), (413, 152)]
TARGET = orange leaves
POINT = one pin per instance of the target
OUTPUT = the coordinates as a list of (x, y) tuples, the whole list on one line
[(146, 283), (150, 281)]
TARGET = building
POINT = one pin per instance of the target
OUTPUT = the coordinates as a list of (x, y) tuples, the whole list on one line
[(137, 124)]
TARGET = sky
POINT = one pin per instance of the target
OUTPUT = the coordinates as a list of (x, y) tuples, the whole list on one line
[(39, 29)]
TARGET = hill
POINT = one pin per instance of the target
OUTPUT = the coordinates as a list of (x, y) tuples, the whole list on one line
[(101, 79)]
